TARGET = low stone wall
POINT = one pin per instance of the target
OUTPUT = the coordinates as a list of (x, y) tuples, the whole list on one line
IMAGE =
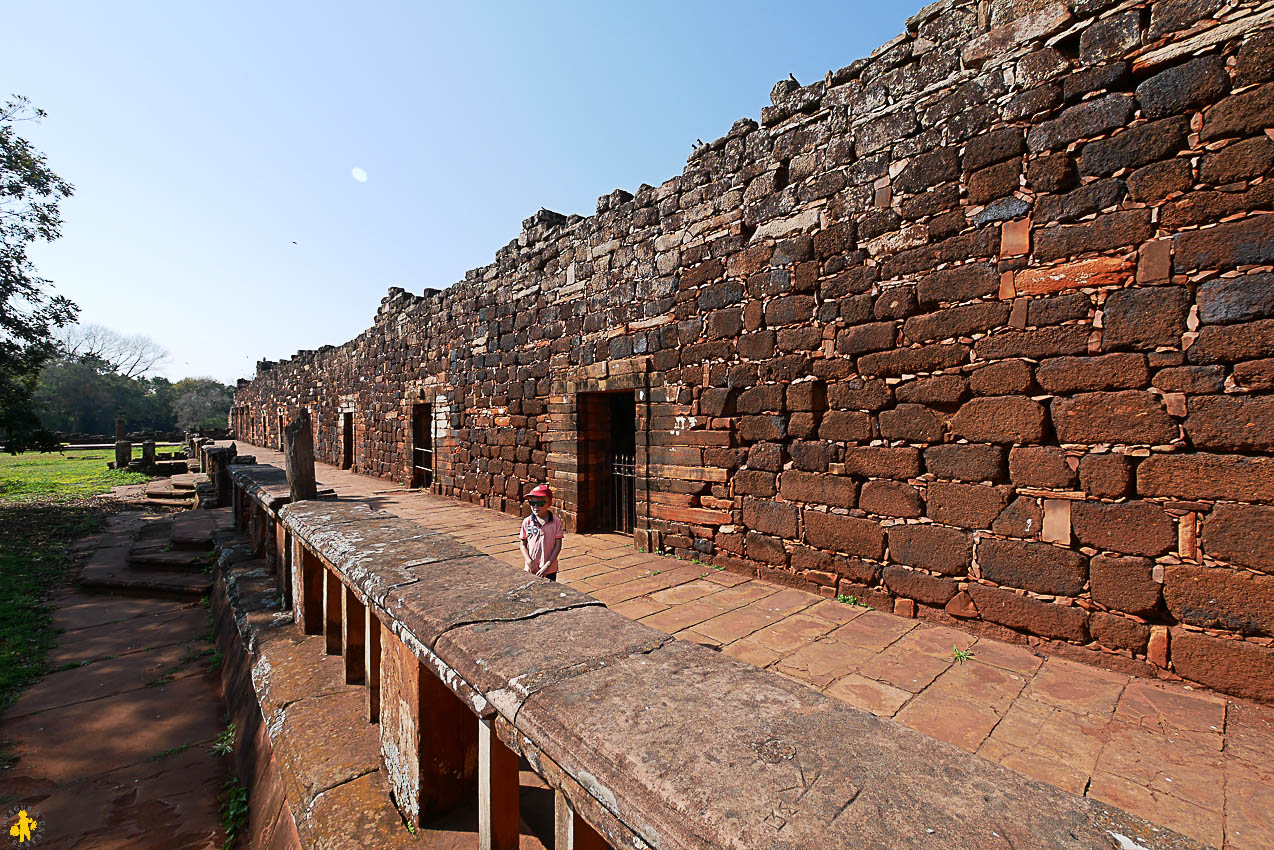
[(978, 327), (466, 663)]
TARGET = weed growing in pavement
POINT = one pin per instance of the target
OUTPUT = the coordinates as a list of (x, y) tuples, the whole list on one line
[(224, 744), (233, 809), (960, 655)]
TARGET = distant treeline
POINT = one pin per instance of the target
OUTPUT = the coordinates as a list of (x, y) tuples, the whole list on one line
[(85, 394)]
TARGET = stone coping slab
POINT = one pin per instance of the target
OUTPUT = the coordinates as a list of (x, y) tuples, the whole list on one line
[(686, 747), (693, 749)]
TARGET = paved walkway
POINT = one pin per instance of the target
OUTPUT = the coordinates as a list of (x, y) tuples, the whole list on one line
[(1186, 758), (113, 748)]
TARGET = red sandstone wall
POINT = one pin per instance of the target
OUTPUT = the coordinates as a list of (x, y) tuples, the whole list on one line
[(982, 326)]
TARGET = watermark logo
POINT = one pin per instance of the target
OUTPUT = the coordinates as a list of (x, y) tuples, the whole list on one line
[(26, 827)]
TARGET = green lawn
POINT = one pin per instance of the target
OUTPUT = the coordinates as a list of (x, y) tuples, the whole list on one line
[(52, 476), (45, 506)]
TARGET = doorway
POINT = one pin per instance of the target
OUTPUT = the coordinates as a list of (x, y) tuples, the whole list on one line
[(607, 461), (282, 442), (422, 445), (347, 441)]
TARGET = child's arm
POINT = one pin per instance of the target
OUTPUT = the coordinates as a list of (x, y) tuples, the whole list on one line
[(554, 550), (526, 556)]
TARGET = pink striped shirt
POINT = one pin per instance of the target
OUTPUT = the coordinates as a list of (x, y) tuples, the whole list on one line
[(541, 539)]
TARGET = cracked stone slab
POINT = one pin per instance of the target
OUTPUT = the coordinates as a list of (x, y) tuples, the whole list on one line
[(318, 748), (473, 590), (510, 660), (661, 739), (354, 815), (305, 519)]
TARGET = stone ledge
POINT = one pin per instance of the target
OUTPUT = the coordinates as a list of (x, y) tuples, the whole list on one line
[(680, 746)]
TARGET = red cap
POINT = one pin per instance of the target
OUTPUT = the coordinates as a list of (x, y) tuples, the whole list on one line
[(540, 491)]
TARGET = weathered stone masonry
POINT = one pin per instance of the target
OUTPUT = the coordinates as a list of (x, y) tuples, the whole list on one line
[(979, 327)]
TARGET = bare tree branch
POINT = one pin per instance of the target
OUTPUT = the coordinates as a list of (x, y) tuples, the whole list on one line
[(130, 356)]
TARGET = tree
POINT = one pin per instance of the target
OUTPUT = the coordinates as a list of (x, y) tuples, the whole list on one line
[(130, 356), (201, 403), (29, 196)]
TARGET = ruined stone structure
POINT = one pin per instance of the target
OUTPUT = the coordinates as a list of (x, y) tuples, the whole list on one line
[(980, 327)]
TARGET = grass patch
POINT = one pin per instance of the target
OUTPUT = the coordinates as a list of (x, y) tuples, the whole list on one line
[(960, 655), (54, 476), (35, 538), (163, 754)]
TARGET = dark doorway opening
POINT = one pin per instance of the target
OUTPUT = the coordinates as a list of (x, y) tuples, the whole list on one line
[(282, 442), (422, 445), (347, 441), (607, 461)]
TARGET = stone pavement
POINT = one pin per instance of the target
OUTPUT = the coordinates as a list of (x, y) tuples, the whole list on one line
[(1187, 758), (113, 748)]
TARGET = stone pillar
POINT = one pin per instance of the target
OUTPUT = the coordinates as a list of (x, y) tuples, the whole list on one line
[(298, 450), (498, 788), (333, 591), (570, 831), (428, 737), (148, 454), (123, 454), (120, 431), (371, 666), (309, 598), (353, 634)]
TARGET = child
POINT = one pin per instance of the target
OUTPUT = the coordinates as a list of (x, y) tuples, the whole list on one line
[(541, 535)]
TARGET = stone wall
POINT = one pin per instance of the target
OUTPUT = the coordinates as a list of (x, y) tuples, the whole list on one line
[(980, 327)]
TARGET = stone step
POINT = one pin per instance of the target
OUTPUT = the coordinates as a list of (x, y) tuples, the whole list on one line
[(176, 504), (108, 571), (159, 555), (194, 529), (163, 489)]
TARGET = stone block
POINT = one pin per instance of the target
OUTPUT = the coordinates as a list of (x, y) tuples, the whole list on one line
[(1244, 114), (1230, 666), (1106, 476), (1029, 615), (837, 491), (1095, 272), (966, 462), (1207, 476), (1129, 416), (769, 517), (1132, 528), (1039, 567), (1241, 534), (1085, 374), (1000, 419), (1041, 466), (1124, 583), (914, 423), (849, 535), (1142, 318), (1237, 299), (922, 587), (1233, 243), (1185, 87), (931, 547), (891, 498), (848, 426), (1231, 423), (1115, 632), (966, 505), (1220, 598), (882, 462)]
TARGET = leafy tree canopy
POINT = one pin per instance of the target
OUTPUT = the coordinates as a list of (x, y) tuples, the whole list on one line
[(29, 196)]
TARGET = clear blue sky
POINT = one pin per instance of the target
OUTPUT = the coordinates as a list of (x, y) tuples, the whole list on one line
[(204, 139)]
